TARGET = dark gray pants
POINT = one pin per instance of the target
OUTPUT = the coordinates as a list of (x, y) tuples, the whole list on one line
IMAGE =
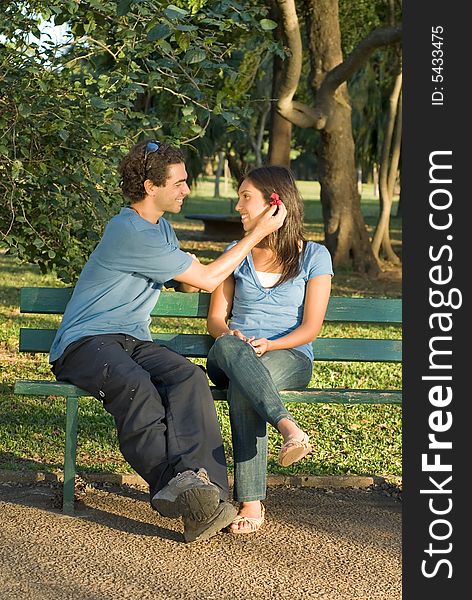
[(161, 402)]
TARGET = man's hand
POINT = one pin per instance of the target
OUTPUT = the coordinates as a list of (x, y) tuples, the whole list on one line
[(270, 222)]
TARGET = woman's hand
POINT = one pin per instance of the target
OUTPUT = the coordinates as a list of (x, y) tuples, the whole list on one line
[(236, 333), (261, 346)]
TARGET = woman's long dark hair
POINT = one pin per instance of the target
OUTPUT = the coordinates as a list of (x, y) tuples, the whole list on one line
[(285, 242)]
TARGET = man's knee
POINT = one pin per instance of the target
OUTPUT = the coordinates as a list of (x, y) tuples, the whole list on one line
[(199, 375), (121, 380), (182, 370)]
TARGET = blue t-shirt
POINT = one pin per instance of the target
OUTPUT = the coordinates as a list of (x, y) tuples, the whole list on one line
[(122, 280), (275, 312)]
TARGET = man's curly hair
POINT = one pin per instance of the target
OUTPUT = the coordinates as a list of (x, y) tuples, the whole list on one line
[(134, 170)]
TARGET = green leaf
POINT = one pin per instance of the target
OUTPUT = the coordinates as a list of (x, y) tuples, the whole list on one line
[(174, 12), (183, 40), (194, 56), (187, 28), (123, 7), (166, 47), (24, 110), (98, 103), (268, 24), (17, 167), (116, 128), (229, 117), (159, 32), (60, 19)]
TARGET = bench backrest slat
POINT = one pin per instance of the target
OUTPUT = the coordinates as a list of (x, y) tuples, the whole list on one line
[(198, 345), (176, 304)]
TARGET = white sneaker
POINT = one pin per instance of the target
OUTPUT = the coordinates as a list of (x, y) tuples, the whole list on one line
[(188, 494), (198, 531)]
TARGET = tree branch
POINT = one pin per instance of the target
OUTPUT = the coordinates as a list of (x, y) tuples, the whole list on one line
[(382, 36), (306, 116), (295, 112)]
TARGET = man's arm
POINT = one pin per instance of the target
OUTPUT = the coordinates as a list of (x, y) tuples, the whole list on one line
[(208, 277), (185, 287)]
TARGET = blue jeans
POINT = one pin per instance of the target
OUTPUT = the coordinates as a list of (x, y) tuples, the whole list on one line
[(253, 394)]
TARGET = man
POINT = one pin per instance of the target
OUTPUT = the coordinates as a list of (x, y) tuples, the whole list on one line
[(162, 405)]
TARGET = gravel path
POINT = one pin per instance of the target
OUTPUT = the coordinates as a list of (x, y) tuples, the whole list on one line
[(334, 545)]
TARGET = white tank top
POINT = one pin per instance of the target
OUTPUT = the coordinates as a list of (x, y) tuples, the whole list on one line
[(268, 280)]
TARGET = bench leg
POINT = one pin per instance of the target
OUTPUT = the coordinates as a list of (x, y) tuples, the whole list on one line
[(69, 456)]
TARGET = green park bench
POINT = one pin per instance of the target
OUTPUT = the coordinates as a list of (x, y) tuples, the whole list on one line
[(175, 304)]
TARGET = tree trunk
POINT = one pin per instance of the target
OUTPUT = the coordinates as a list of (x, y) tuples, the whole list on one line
[(346, 235), (345, 229), (236, 167), (375, 180), (219, 172), (397, 142), (280, 132), (399, 205), (388, 173), (257, 143)]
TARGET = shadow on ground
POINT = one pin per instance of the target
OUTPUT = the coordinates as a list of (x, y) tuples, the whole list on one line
[(331, 544)]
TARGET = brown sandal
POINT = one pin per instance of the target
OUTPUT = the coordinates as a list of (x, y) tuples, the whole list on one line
[(294, 450), (253, 521)]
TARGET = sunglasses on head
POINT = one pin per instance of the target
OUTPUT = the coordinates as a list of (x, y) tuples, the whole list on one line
[(151, 147)]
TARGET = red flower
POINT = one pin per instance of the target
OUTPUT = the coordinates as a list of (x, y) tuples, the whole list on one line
[(275, 199)]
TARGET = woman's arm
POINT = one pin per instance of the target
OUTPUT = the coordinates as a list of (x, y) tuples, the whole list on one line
[(221, 303), (317, 294)]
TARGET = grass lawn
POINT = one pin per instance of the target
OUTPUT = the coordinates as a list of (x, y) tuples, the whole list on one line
[(364, 440)]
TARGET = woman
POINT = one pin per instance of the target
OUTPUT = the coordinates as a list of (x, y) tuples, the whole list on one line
[(264, 318)]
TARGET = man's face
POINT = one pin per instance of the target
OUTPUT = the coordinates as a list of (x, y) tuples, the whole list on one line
[(170, 197)]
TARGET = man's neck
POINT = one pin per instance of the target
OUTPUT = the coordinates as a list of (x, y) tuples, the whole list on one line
[(147, 212)]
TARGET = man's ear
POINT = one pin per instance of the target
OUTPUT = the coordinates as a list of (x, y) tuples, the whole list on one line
[(149, 186)]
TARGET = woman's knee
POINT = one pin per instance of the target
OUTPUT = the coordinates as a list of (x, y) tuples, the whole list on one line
[(217, 375), (227, 346)]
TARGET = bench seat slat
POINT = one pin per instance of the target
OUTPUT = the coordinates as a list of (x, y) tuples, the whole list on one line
[(197, 346), (177, 304), (310, 395)]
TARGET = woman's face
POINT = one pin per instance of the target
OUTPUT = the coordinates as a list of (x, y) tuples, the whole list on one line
[(251, 205)]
